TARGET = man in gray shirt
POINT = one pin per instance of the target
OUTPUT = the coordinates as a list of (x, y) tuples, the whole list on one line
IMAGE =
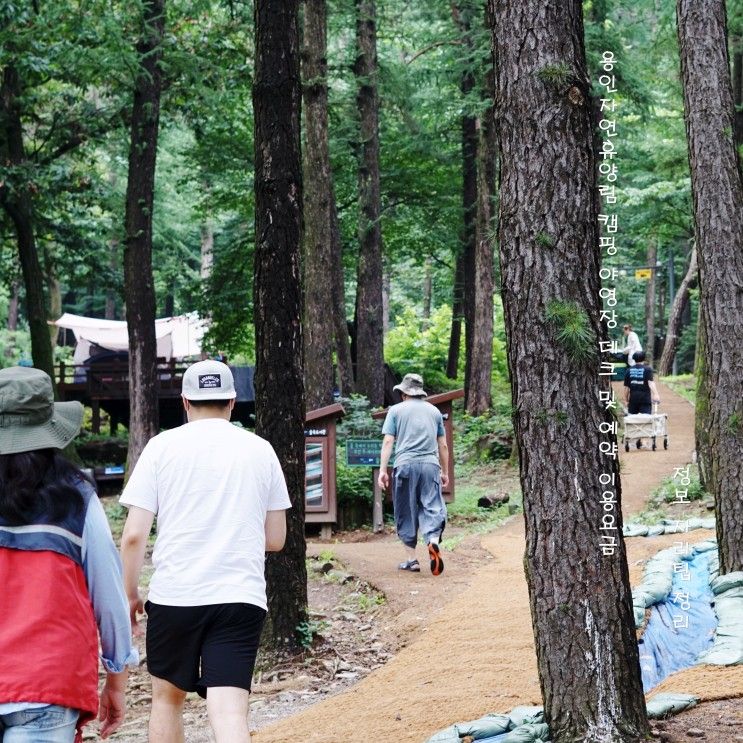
[(421, 470)]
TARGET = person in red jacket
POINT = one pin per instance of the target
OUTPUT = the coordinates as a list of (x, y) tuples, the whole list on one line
[(60, 576)]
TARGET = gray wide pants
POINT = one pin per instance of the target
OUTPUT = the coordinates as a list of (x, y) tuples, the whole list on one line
[(418, 501)]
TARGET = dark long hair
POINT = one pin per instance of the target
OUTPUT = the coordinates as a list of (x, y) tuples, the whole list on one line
[(37, 485)]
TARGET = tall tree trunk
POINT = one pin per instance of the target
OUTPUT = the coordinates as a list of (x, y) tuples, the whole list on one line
[(481, 364), (717, 190), (427, 287), (139, 287), (207, 250), (318, 194), (652, 258), (680, 301), (369, 311), (342, 339), (18, 204), (549, 244), (701, 409), (469, 233), (457, 313), (277, 292), (113, 261), (738, 92), (13, 307)]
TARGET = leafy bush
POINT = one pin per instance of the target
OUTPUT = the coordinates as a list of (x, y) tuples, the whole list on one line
[(487, 437), (352, 484), (357, 423), (666, 491), (16, 345), (421, 346)]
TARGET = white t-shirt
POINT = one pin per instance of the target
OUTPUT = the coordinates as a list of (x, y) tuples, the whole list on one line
[(633, 346), (210, 484)]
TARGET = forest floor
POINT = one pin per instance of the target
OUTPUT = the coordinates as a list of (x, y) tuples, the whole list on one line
[(399, 656)]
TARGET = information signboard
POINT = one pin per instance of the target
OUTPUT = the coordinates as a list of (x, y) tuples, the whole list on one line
[(364, 453)]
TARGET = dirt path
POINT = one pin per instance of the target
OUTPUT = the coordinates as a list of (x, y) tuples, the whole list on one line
[(472, 650)]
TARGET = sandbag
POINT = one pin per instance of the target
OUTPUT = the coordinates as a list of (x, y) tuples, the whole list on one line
[(667, 704)]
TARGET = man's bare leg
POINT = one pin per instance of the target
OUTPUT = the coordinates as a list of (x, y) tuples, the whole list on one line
[(228, 713), (166, 719)]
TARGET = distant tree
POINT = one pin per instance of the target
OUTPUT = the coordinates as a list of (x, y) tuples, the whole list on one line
[(277, 291), (318, 211), (369, 315), (717, 188), (580, 595), (139, 289), (675, 317)]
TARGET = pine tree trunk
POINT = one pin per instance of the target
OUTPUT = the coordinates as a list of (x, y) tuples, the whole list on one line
[(701, 409), (481, 364), (369, 311), (139, 288), (652, 257), (12, 324), (457, 313), (207, 251), (580, 594), (680, 301), (18, 205), (738, 93), (717, 191), (113, 262), (277, 292), (318, 279), (427, 288), (340, 322)]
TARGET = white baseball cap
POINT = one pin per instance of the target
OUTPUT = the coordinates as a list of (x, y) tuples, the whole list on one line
[(208, 380)]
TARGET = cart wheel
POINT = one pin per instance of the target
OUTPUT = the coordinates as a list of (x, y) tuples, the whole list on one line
[(665, 443), (654, 447), (626, 445)]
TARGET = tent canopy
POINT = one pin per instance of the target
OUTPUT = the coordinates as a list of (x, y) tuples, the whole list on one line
[(177, 337)]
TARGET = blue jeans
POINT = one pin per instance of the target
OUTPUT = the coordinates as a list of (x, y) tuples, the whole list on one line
[(418, 501), (50, 724)]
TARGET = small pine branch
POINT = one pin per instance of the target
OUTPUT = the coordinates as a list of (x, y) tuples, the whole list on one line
[(572, 329)]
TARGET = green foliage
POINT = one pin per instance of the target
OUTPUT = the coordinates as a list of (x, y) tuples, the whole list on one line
[(666, 491), (572, 329), (544, 240), (556, 75), (487, 437), (357, 423), (352, 484), (16, 346), (422, 346), (308, 630)]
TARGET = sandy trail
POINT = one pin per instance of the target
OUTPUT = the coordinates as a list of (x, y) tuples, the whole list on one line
[(475, 653)]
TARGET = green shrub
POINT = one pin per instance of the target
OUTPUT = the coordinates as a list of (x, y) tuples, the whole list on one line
[(352, 484), (421, 346), (16, 345), (487, 437)]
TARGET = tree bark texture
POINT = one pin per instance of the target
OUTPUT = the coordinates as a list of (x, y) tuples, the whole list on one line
[(738, 93), (481, 362), (717, 191), (342, 339), (12, 323), (469, 230), (652, 257), (680, 301), (457, 315), (318, 194), (139, 287), (18, 204), (701, 409), (369, 311), (277, 292), (580, 597)]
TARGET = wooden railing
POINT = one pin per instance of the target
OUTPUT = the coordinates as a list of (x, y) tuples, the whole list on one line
[(110, 380)]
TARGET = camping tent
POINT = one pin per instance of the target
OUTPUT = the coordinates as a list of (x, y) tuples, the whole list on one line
[(177, 337)]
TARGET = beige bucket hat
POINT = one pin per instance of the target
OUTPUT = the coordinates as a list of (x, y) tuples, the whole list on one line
[(412, 385)]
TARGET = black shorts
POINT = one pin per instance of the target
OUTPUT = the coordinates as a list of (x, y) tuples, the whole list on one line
[(195, 647), (639, 406)]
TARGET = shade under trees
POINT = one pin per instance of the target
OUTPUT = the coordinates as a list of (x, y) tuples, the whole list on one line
[(549, 249), (277, 292), (717, 189)]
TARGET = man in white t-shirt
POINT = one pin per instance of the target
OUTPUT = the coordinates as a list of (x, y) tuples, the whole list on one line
[(220, 498)]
